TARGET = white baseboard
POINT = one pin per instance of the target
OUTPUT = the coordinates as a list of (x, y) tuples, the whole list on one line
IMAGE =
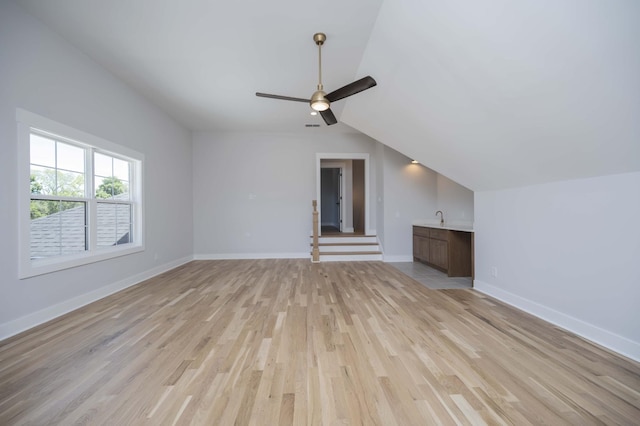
[(398, 258), (26, 322), (232, 256), (610, 340)]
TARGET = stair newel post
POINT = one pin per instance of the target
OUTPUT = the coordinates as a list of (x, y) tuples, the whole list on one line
[(315, 253)]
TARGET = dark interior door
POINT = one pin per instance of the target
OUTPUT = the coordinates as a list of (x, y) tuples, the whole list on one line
[(330, 197)]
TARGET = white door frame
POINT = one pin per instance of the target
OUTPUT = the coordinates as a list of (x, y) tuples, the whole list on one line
[(347, 156)]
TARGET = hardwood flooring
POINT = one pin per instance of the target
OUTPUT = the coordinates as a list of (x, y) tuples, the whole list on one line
[(271, 342)]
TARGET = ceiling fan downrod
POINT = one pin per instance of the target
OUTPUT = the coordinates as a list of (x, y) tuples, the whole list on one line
[(318, 100)]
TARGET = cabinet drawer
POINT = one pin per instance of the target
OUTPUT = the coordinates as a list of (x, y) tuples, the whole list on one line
[(419, 230), (438, 234)]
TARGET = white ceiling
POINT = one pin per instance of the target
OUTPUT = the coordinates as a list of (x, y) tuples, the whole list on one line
[(492, 93), (202, 61)]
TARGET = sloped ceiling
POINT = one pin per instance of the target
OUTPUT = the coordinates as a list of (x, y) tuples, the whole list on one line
[(491, 93), (202, 60), (496, 94)]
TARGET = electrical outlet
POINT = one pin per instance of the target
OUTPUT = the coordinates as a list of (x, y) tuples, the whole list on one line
[(494, 271)]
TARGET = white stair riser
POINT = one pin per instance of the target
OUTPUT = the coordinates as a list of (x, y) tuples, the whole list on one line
[(325, 249), (351, 258), (349, 249), (347, 240)]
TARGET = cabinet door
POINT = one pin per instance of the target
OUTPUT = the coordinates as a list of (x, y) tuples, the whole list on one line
[(438, 255), (421, 248), (424, 248), (416, 247)]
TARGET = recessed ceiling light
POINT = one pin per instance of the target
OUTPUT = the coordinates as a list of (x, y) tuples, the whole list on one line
[(415, 162), (313, 112)]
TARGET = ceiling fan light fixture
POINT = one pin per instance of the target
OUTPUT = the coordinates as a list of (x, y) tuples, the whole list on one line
[(319, 102)]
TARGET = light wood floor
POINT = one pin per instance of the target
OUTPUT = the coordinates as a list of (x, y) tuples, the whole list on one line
[(271, 342)]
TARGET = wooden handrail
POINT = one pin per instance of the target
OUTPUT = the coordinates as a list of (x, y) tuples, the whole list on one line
[(315, 251)]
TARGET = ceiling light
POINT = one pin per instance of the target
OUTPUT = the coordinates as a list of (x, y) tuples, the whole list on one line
[(313, 112), (415, 162), (319, 102)]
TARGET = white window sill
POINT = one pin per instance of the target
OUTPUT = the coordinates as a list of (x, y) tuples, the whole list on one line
[(45, 266)]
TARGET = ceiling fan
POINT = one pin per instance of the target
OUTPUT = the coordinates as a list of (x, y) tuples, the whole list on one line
[(320, 101)]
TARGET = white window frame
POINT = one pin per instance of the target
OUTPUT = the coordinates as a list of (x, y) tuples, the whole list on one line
[(28, 122)]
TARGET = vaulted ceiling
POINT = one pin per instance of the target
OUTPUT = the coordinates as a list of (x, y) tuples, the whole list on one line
[(492, 93)]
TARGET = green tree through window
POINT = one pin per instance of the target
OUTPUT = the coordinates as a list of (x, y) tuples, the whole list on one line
[(110, 187)]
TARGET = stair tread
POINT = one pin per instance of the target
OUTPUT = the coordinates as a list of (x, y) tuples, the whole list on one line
[(348, 247), (347, 253), (345, 244), (345, 236)]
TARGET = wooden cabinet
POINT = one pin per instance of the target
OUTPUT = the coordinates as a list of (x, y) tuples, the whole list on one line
[(444, 249), (438, 254), (421, 245)]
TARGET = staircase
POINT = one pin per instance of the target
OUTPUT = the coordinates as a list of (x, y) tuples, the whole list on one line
[(349, 248), (342, 247)]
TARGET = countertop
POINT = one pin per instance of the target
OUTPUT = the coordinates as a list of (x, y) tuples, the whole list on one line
[(449, 226)]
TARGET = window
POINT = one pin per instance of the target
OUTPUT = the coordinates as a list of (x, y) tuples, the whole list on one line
[(114, 206), (83, 202)]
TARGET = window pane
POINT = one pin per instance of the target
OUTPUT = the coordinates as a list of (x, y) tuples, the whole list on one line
[(102, 165), (57, 228), (56, 168), (123, 213), (126, 237), (42, 151), (45, 241), (40, 208), (73, 239), (70, 184), (123, 226), (121, 169), (110, 187), (106, 221), (124, 195), (111, 177), (70, 157), (114, 224), (43, 180)]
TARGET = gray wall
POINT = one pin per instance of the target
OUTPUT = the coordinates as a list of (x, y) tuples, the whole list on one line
[(252, 191), (43, 74), (414, 192), (567, 252)]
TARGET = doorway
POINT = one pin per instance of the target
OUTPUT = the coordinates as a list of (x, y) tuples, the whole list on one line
[(342, 186)]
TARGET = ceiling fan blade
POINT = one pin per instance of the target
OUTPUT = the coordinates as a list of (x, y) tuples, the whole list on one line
[(351, 89), (328, 117), (283, 98)]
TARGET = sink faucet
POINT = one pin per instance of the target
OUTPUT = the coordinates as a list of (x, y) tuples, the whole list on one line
[(441, 217)]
